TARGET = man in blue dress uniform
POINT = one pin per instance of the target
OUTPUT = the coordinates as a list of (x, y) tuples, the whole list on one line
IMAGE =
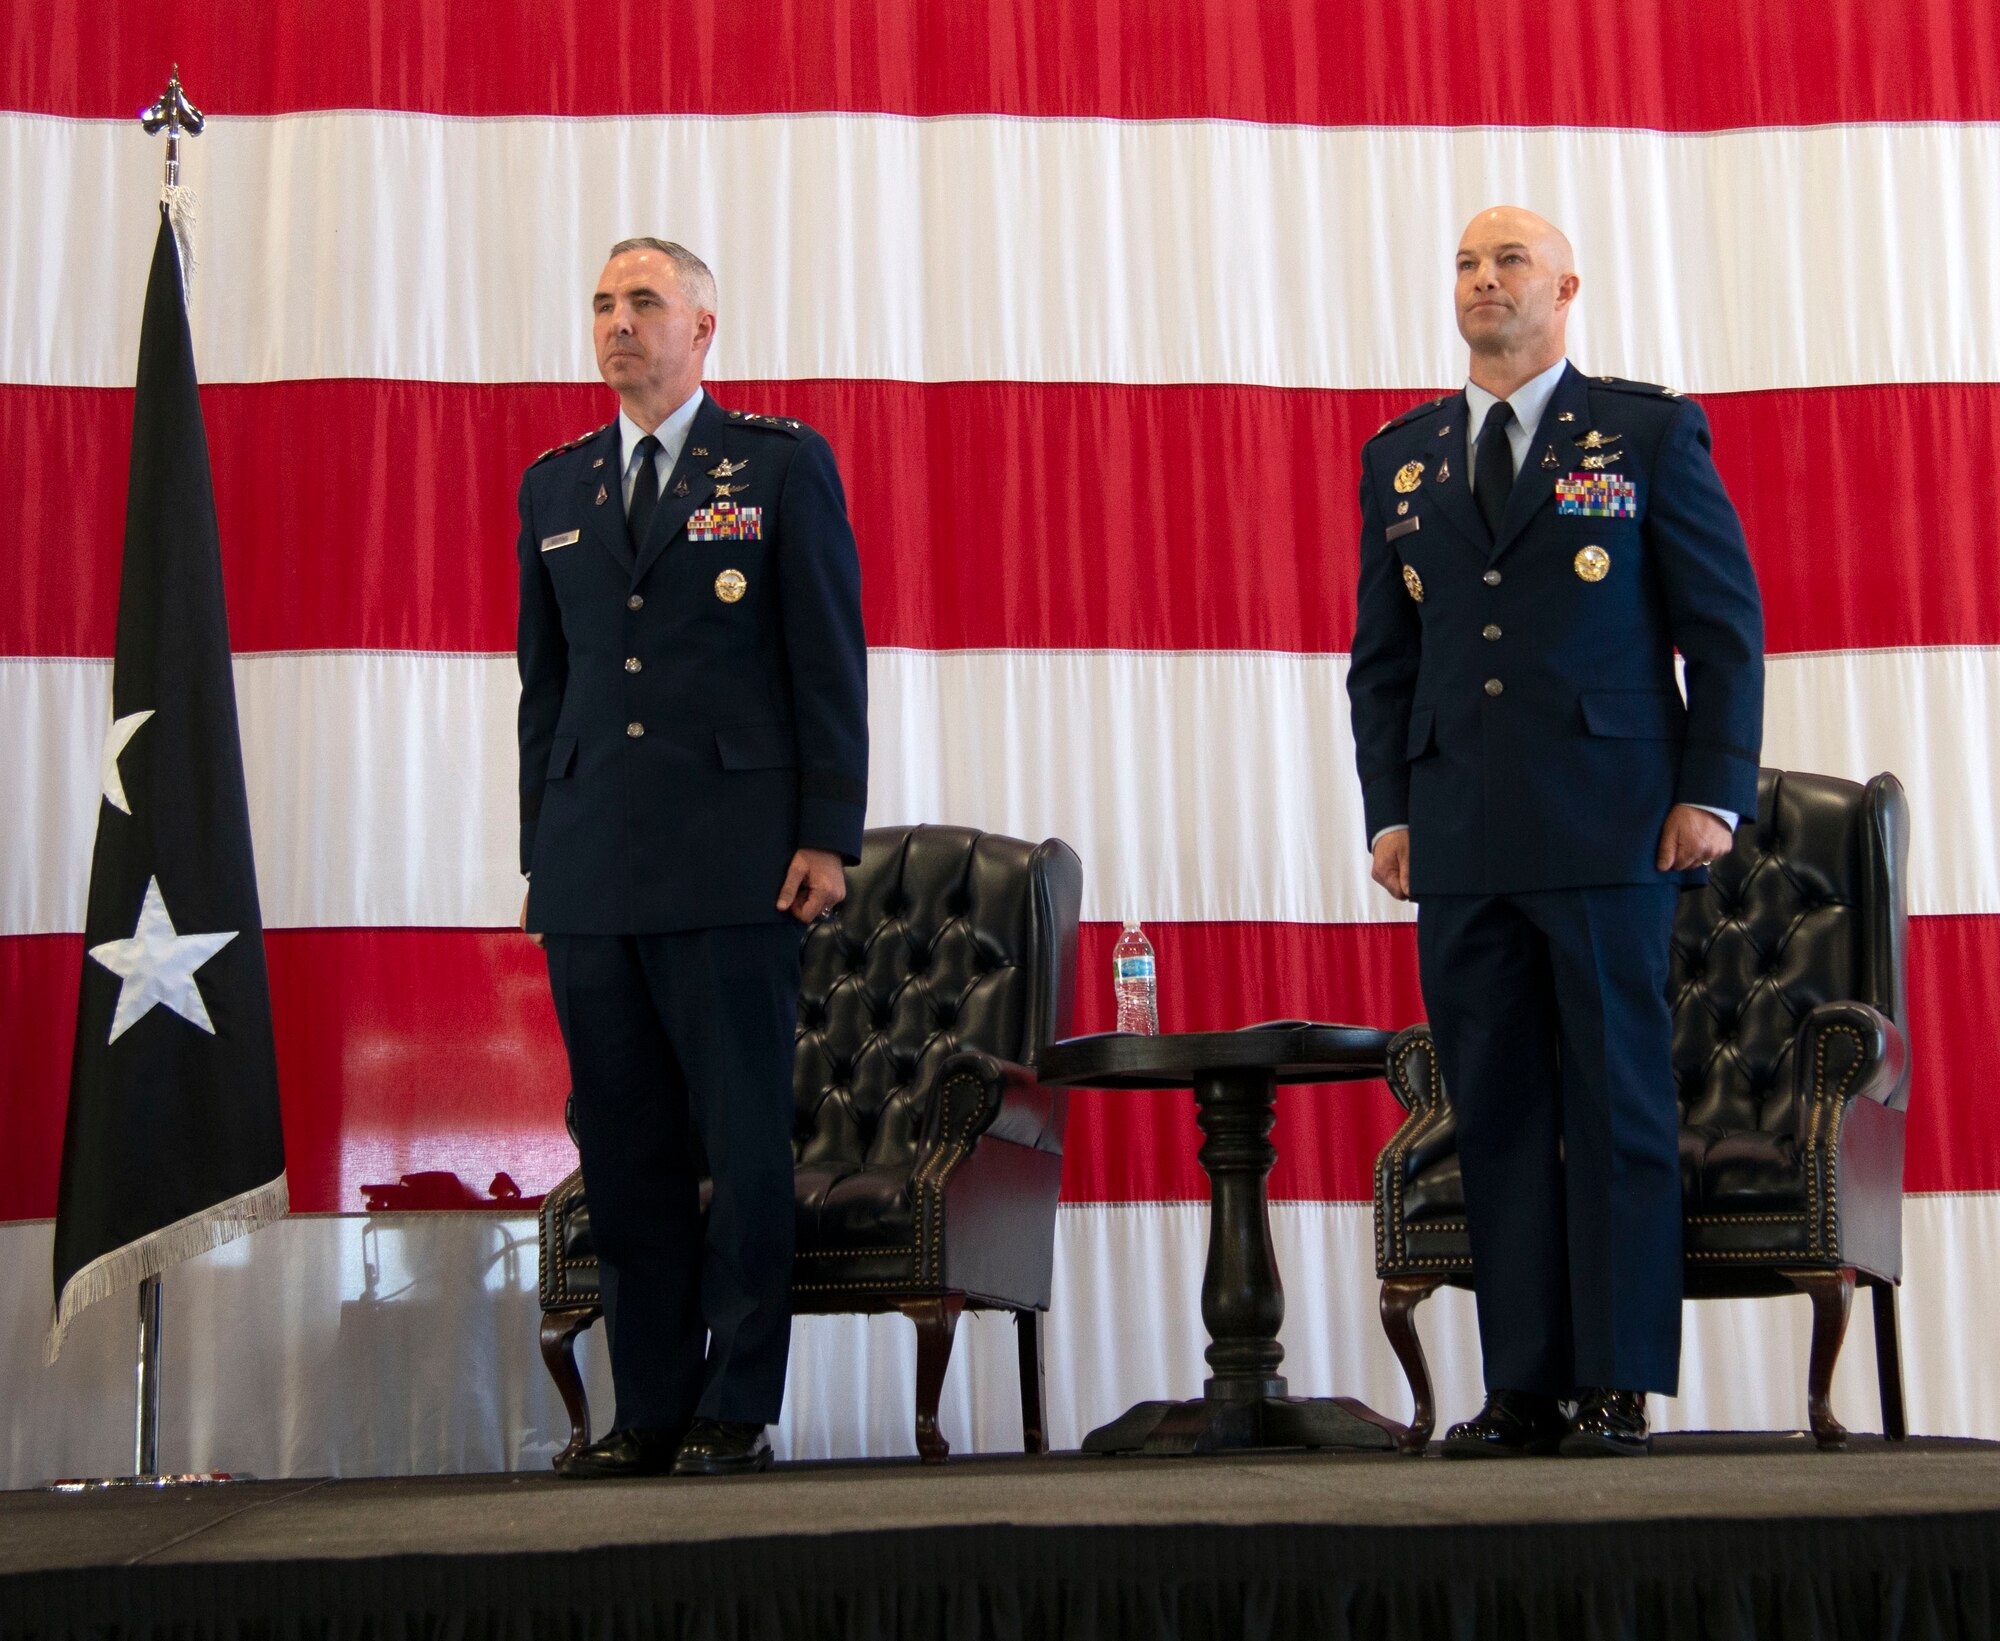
[(694, 767), (1534, 549)]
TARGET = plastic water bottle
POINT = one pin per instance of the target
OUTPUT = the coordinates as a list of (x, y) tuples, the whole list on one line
[(1134, 981)]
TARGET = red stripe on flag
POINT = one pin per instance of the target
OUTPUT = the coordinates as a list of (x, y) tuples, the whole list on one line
[(404, 1050), (1666, 64), (379, 514)]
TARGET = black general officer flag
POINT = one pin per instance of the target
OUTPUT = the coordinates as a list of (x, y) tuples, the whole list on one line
[(173, 1142)]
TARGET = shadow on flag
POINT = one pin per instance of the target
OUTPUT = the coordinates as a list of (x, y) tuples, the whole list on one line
[(173, 1142)]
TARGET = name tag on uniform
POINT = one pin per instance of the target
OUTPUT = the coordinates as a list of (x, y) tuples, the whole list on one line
[(1597, 496), (1402, 529), (725, 521), (551, 543)]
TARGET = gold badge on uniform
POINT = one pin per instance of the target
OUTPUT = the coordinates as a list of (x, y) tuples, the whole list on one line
[(724, 491), (1408, 476), (730, 586), (1414, 582), (1549, 458), (1402, 507), (1567, 416), (727, 469), (1594, 440), (1597, 464), (1593, 564)]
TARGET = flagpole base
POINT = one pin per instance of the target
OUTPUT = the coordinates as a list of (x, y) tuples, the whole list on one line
[(100, 1484)]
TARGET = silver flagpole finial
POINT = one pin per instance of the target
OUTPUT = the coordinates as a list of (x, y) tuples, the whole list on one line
[(173, 114)]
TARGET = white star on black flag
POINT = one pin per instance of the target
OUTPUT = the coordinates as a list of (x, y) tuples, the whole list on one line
[(172, 1142)]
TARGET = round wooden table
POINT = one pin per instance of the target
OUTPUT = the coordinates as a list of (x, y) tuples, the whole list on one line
[(1235, 1076)]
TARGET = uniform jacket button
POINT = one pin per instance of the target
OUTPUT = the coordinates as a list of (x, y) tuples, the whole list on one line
[(1489, 632), (635, 730), (1491, 578), (635, 602), (1494, 686), (633, 664)]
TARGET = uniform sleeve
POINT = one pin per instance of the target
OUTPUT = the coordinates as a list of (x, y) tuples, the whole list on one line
[(1714, 614), (819, 588), (1382, 674), (542, 653)]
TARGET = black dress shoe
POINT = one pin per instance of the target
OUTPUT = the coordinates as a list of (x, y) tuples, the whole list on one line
[(1512, 1424), (1609, 1424), (722, 1447), (625, 1453)]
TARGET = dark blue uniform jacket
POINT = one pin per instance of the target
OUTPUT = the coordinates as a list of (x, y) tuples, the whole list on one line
[(693, 713), (1514, 700)]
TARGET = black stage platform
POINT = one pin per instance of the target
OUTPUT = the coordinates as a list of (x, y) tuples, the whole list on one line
[(1735, 1537)]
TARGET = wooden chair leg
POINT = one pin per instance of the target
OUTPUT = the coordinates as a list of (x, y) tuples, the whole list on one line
[(559, 1331), (1832, 1294), (1401, 1295), (936, 1319), (1034, 1382), (1889, 1362)]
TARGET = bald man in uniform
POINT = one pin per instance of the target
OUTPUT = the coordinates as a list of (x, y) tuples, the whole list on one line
[(1534, 550)]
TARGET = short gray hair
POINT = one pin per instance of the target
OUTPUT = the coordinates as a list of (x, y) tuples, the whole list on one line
[(696, 282)]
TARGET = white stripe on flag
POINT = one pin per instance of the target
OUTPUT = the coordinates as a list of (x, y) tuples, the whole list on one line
[(1009, 249), (1196, 787)]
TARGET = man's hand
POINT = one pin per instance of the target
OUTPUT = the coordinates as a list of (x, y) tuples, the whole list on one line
[(1692, 837), (814, 885), (536, 938), (1392, 862)]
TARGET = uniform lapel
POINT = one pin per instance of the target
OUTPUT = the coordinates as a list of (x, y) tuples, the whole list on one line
[(1452, 496), (1535, 484), (604, 521), (675, 509)]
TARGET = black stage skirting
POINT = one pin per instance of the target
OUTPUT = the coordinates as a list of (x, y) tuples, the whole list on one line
[(1721, 1537)]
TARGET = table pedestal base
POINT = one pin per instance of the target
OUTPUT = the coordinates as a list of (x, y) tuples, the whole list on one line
[(1161, 1429)]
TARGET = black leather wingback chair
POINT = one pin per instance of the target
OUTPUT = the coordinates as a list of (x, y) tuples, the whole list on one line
[(927, 1158), (1788, 997)]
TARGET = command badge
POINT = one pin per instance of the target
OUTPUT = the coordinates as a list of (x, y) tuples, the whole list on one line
[(730, 585), (1593, 564), (1414, 582), (1408, 476)]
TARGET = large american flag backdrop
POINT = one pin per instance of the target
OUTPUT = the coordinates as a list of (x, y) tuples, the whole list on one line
[(1096, 301)]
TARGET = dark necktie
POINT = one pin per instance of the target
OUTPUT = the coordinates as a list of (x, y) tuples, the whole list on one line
[(1493, 472), (645, 492)]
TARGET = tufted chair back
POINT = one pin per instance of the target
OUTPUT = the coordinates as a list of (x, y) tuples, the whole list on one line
[(1804, 910), (947, 939)]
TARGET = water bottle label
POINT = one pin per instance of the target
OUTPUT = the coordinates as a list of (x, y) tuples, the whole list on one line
[(1133, 968)]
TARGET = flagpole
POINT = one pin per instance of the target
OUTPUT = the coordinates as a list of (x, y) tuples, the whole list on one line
[(146, 1439)]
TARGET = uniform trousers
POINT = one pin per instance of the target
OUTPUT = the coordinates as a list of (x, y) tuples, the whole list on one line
[(680, 1054), (1554, 1035)]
